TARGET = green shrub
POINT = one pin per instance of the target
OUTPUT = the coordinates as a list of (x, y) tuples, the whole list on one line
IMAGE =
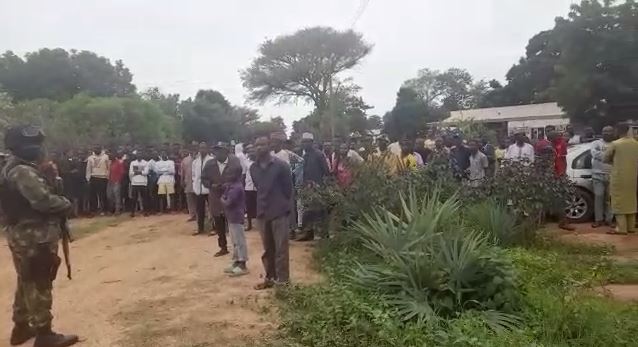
[(429, 266), (529, 190), (496, 222)]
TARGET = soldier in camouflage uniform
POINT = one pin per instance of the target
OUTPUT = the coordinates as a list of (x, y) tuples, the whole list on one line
[(33, 215)]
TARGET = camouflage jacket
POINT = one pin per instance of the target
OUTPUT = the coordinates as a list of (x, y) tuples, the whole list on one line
[(37, 203)]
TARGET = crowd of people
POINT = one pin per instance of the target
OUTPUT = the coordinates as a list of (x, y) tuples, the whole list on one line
[(226, 187)]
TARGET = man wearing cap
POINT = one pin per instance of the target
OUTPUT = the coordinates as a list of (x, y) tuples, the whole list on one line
[(34, 214), (216, 172)]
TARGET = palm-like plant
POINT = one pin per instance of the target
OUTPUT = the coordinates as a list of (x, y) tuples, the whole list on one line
[(429, 265), (496, 221)]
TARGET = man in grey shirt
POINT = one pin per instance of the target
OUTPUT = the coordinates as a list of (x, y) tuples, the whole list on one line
[(273, 180), (600, 179)]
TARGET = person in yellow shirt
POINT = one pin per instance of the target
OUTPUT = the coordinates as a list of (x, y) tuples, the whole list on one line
[(406, 161), (623, 155)]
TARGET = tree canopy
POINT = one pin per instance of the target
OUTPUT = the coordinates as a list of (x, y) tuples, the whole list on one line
[(303, 65), (588, 63), (59, 75), (84, 121)]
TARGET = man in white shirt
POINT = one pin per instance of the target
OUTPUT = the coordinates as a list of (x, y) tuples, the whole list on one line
[(138, 172), (97, 174), (165, 168), (520, 150), (201, 192), (249, 187), (478, 164)]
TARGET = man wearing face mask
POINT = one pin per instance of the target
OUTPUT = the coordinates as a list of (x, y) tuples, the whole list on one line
[(33, 216)]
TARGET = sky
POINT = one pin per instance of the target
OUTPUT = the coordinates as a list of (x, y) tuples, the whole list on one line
[(184, 46)]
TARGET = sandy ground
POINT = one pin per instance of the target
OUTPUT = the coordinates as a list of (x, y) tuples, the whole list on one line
[(625, 250), (148, 282)]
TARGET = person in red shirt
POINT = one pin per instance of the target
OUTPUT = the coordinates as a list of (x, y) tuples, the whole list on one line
[(560, 149), (114, 187), (556, 152), (541, 144)]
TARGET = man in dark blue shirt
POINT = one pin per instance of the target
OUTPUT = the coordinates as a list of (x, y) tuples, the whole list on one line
[(273, 180)]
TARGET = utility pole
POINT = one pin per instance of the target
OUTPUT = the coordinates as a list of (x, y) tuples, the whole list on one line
[(331, 110)]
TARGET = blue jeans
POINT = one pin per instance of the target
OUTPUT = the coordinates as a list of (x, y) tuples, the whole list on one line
[(602, 206), (237, 237)]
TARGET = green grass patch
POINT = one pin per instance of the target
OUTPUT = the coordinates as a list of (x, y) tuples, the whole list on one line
[(559, 306)]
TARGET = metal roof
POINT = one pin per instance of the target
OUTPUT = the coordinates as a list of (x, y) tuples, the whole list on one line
[(508, 113)]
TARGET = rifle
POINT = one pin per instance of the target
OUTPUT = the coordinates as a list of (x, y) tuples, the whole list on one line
[(66, 239)]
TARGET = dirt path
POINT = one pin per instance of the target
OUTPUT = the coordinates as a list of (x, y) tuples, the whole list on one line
[(625, 251), (147, 282)]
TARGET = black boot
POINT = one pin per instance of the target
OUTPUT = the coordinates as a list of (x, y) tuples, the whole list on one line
[(21, 333), (47, 338), (309, 235)]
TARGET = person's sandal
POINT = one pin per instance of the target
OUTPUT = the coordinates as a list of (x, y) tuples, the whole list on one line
[(264, 285), (222, 252)]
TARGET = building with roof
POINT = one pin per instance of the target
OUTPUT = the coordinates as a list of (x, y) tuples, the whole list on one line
[(532, 119)]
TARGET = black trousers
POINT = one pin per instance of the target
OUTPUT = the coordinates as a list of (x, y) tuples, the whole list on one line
[(153, 198), (200, 209), (139, 193), (97, 188), (221, 226)]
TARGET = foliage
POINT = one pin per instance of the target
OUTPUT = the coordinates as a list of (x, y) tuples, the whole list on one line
[(557, 307), (59, 75), (528, 189), (476, 130), (346, 114), (347, 204), (430, 266), (303, 65), (450, 90), (210, 117), (84, 121), (409, 115), (586, 63), (496, 222), (431, 96)]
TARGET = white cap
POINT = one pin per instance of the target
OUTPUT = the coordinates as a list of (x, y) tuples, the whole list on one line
[(307, 136)]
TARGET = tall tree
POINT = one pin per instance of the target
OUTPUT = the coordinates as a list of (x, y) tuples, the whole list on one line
[(346, 113), (59, 75), (442, 92), (408, 116), (597, 73), (169, 103), (588, 63), (262, 128), (211, 117), (303, 65)]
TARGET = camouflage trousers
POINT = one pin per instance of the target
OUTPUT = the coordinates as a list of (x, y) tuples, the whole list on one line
[(33, 297)]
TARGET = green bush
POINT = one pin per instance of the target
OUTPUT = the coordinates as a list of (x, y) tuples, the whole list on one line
[(496, 222), (430, 266), (529, 190)]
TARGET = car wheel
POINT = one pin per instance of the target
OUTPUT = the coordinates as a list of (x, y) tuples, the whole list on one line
[(581, 207)]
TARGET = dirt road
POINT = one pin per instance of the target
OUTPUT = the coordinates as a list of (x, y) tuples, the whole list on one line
[(147, 282)]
